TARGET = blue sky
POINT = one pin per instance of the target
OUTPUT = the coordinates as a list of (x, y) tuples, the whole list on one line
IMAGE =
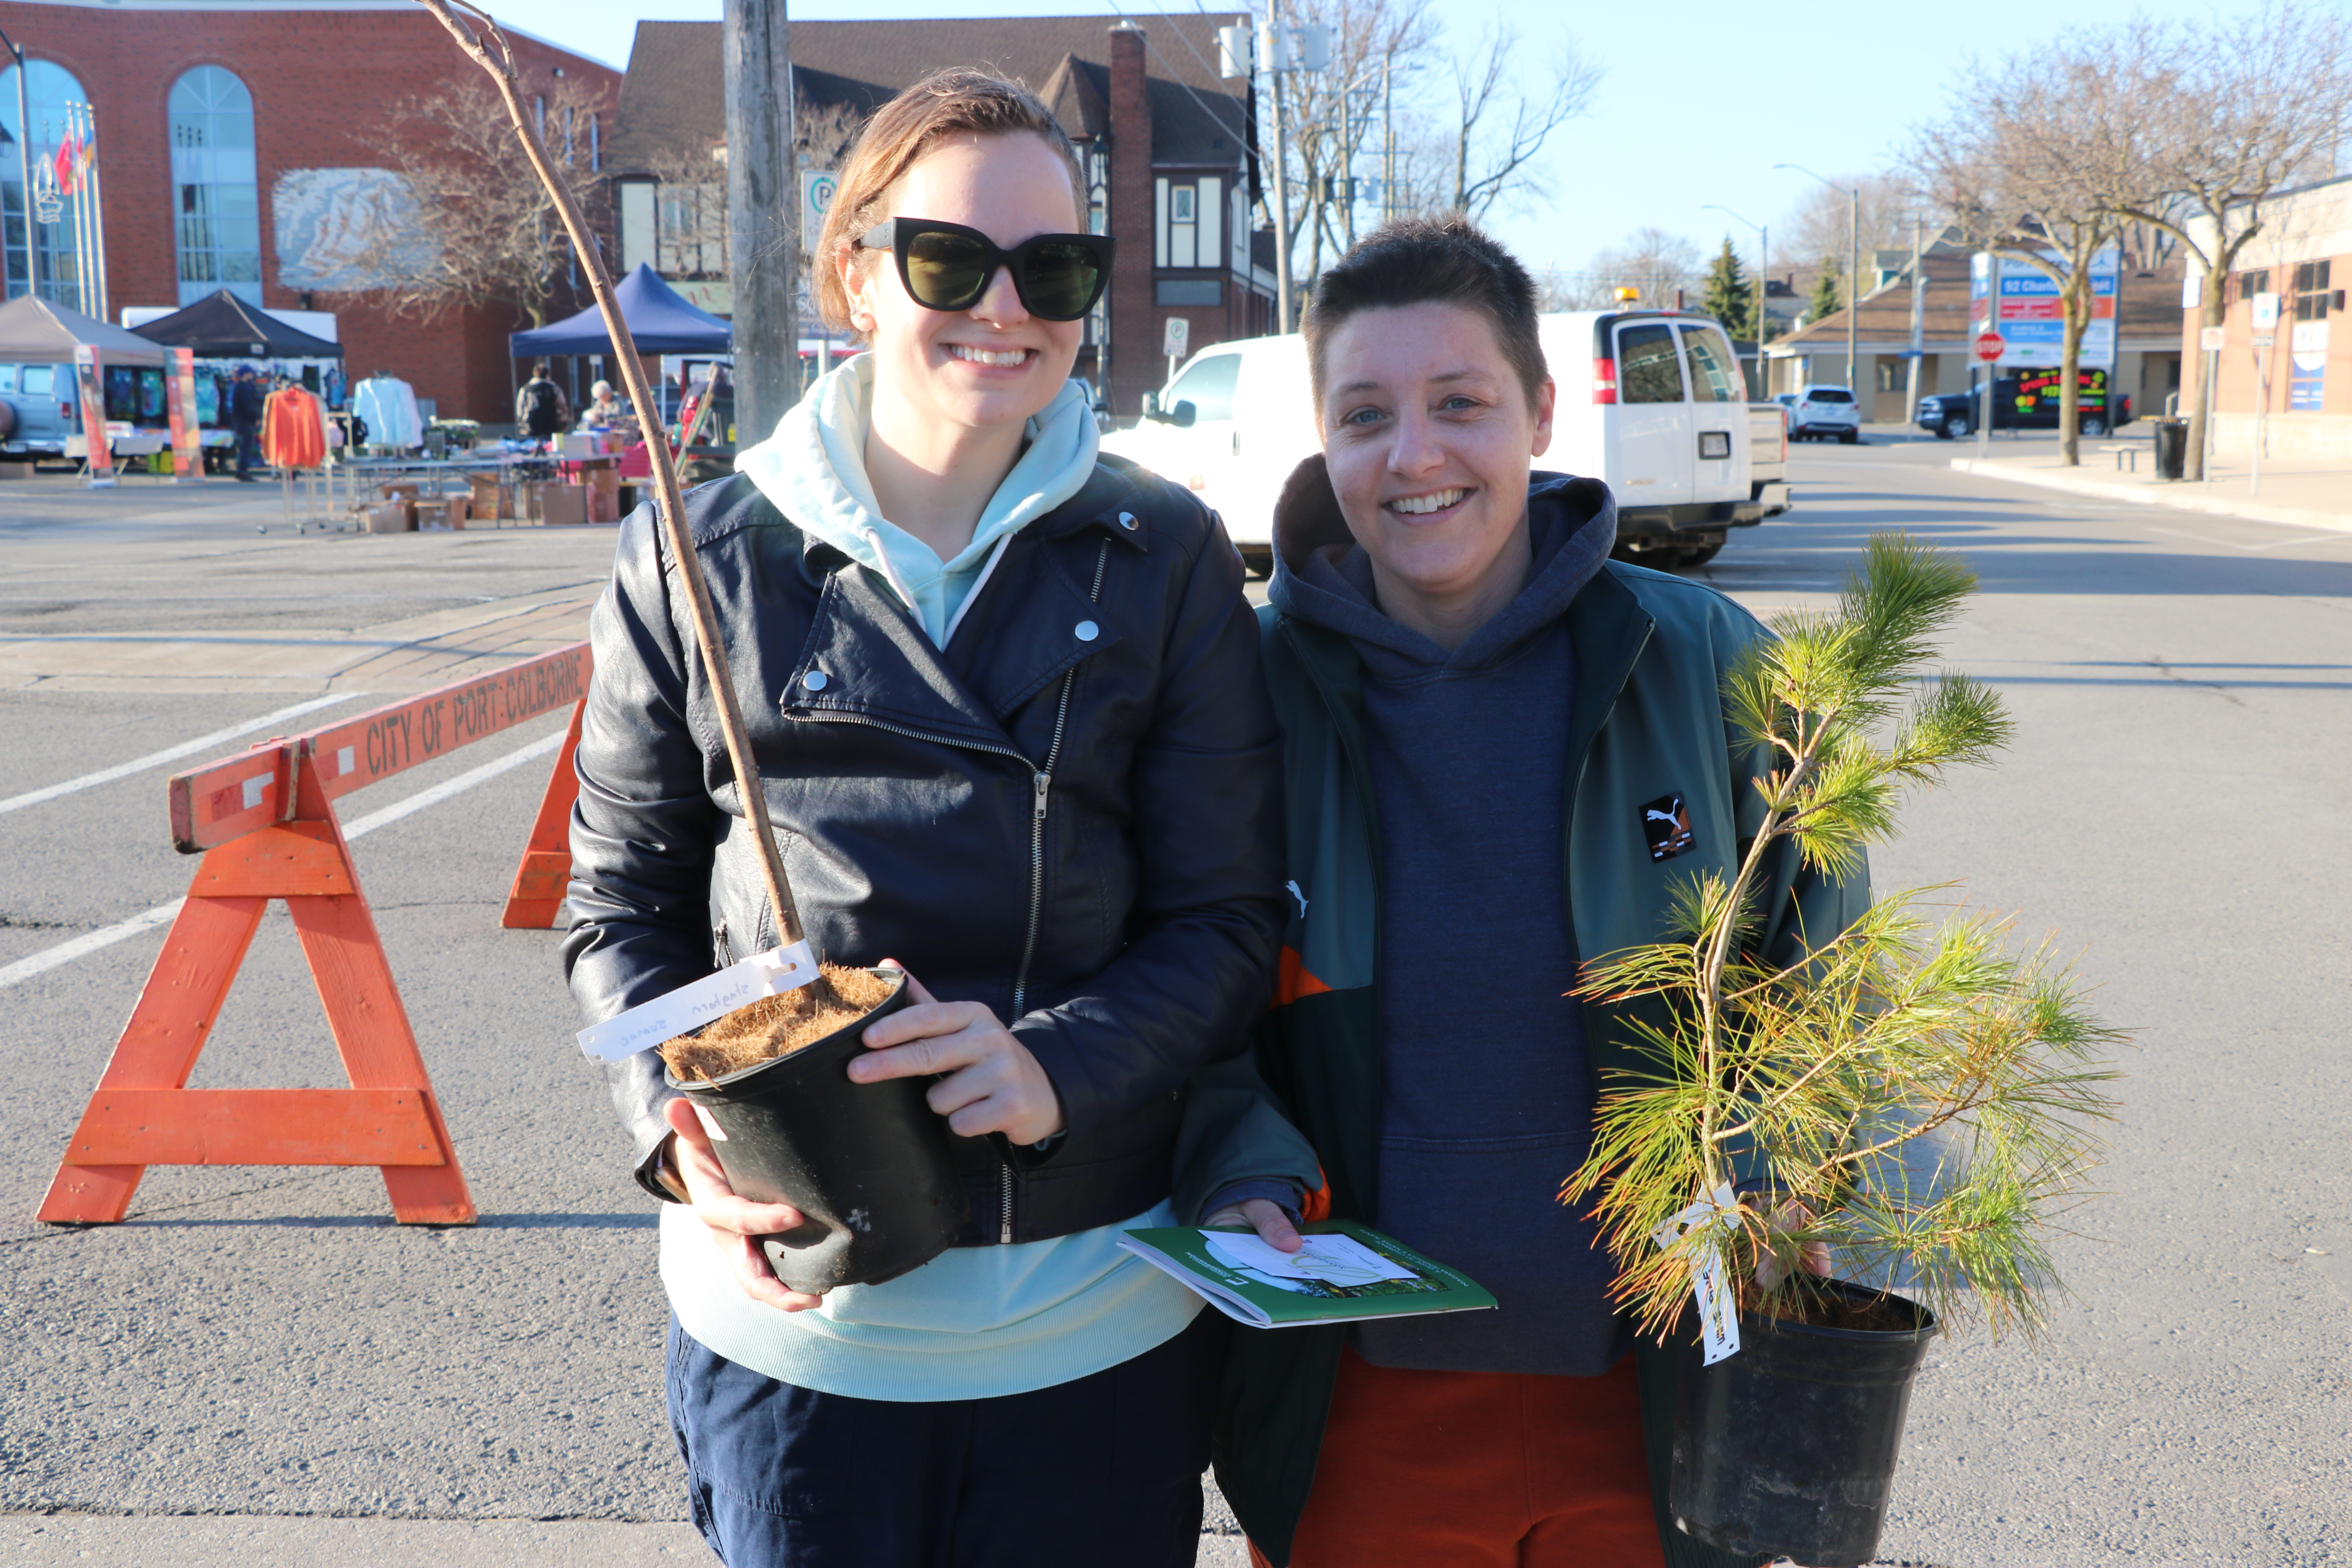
[(1700, 99)]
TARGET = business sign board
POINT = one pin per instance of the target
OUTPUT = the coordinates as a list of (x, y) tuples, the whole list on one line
[(817, 189), (2020, 301), (2306, 386)]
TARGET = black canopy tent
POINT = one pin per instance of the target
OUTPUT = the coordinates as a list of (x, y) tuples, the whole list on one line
[(659, 319), (222, 326)]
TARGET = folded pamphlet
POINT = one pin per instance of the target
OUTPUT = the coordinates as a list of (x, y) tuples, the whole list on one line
[(1345, 1273)]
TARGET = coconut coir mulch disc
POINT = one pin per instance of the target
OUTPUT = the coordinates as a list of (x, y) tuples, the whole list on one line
[(775, 1025)]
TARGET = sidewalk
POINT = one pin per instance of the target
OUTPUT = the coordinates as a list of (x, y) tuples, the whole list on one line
[(2301, 495), (249, 1541)]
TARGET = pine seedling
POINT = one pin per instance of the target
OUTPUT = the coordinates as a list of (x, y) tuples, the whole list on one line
[(1925, 1099)]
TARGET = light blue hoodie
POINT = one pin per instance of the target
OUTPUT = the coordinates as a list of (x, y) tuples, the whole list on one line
[(813, 470)]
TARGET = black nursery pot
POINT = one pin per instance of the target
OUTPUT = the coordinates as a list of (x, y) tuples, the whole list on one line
[(1788, 1447), (868, 1164)]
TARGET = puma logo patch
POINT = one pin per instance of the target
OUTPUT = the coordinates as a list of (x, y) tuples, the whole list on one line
[(1665, 825)]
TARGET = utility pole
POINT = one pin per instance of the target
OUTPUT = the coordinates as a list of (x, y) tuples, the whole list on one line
[(1852, 268), (763, 200), (1919, 325), (1275, 52), (1763, 259), (25, 166)]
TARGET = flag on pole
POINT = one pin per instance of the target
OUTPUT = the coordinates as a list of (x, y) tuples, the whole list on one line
[(68, 161)]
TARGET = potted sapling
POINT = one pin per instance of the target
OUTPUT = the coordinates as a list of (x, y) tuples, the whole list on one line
[(761, 1049), (1913, 1104)]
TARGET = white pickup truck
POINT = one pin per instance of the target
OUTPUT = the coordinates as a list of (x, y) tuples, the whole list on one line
[(1650, 402)]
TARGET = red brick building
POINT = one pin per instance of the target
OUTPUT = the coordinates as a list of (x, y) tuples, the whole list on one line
[(1166, 142), (306, 85)]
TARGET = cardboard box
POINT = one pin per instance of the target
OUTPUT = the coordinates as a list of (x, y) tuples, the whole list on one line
[(603, 486), (16, 470), (390, 517), (441, 514), (490, 500), (403, 492), (561, 505)]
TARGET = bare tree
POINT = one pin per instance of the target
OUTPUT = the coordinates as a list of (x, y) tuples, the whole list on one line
[(1333, 115), (1817, 226), (2009, 166), (690, 218), (1650, 260), (2198, 127), (474, 226), (1498, 129)]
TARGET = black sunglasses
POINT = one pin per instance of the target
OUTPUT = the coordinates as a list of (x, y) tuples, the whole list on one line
[(946, 266)]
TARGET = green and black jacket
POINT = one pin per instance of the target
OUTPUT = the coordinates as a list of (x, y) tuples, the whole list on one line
[(1651, 651)]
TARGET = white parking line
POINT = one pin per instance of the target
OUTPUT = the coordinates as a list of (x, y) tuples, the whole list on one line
[(171, 754), (65, 953)]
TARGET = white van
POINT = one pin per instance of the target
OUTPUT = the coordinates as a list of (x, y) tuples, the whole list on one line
[(1652, 403)]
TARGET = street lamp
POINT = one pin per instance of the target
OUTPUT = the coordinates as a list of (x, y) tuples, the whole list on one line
[(1852, 266), (1763, 261), (25, 161)]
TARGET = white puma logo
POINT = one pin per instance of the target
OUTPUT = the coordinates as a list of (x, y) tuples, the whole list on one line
[(1649, 814)]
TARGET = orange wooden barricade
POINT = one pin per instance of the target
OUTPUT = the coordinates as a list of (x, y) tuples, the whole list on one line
[(265, 823)]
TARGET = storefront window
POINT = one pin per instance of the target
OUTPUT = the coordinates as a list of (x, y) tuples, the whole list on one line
[(50, 88), (217, 210)]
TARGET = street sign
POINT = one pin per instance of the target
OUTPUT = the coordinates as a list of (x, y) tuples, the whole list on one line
[(2265, 340), (1176, 337), (1990, 345), (2212, 338), (817, 186), (2266, 313)]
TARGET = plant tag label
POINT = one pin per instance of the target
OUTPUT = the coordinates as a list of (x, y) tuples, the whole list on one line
[(716, 1133), (641, 1028), (1718, 1308)]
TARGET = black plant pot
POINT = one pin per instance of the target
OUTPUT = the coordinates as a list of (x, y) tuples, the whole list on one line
[(868, 1164), (1788, 1447)]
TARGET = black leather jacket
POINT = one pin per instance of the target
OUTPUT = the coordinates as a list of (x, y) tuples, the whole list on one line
[(1073, 814)]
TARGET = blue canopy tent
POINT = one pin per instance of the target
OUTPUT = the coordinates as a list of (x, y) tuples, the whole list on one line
[(659, 319)]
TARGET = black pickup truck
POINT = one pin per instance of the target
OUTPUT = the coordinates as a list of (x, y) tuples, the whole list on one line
[(2026, 401)]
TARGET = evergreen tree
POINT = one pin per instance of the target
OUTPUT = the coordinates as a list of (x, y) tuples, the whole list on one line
[(1730, 297), (1825, 300)]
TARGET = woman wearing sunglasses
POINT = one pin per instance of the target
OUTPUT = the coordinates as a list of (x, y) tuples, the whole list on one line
[(1007, 701)]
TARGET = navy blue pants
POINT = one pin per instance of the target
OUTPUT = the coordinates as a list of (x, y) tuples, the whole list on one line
[(1102, 1472)]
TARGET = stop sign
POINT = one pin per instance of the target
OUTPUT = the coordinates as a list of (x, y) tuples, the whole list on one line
[(1989, 346)]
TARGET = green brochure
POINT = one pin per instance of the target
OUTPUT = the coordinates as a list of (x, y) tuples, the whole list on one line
[(1345, 1272)]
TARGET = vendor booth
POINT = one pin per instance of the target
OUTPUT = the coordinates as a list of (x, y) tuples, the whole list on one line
[(127, 371), (659, 319), (225, 331)]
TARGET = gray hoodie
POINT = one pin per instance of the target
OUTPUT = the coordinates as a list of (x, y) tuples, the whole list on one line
[(1489, 1100)]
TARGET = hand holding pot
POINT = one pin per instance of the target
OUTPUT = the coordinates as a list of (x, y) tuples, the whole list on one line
[(735, 1224), (992, 1085), (1813, 1257)]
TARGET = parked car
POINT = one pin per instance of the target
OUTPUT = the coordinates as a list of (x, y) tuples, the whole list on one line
[(1650, 402), (2026, 401), (1824, 412), (38, 409)]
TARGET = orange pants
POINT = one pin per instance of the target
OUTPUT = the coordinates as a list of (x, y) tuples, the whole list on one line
[(1473, 1470)]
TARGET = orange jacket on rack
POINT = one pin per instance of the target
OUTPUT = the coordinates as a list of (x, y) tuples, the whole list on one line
[(291, 434)]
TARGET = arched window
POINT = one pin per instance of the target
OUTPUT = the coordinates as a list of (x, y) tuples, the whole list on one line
[(217, 209), (50, 89)]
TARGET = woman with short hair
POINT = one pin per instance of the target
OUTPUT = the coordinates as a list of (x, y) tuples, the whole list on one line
[(1006, 703), (1482, 713)]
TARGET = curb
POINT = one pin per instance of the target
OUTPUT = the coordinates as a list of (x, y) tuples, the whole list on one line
[(2175, 500)]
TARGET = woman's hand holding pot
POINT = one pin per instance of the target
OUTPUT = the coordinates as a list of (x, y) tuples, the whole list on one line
[(735, 1224), (992, 1085)]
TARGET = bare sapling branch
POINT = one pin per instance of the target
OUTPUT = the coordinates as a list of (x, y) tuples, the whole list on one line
[(486, 44), (1921, 1101)]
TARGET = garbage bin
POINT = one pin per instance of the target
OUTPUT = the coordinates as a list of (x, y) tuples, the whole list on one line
[(2172, 446)]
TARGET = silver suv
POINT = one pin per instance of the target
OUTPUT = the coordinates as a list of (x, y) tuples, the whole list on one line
[(1820, 413), (39, 408)]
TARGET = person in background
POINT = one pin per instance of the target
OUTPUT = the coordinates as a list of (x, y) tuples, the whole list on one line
[(1504, 752), (605, 405), (541, 411), (247, 403), (1005, 698)]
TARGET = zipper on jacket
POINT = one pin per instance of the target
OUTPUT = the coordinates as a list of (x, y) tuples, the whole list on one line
[(1042, 784)]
